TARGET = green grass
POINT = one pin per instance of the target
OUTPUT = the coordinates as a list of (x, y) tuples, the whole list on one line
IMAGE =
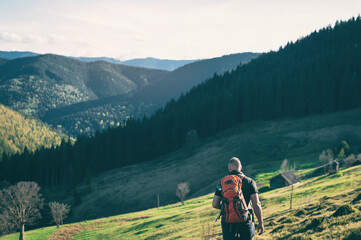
[(41, 233), (314, 203), (261, 146)]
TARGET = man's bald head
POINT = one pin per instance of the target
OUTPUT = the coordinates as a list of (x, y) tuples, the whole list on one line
[(234, 164)]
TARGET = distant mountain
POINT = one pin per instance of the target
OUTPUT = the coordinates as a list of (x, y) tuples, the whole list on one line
[(3, 61), (18, 132), (98, 114), (184, 78), (155, 63), (83, 97), (35, 85), (95, 59), (16, 54), (152, 63)]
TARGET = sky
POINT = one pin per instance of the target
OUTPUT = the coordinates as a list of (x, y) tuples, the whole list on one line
[(166, 29)]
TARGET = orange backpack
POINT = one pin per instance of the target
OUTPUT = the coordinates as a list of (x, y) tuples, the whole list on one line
[(234, 209)]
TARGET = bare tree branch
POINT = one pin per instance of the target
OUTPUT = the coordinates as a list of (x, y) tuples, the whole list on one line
[(59, 211), (20, 204), (182, 191)]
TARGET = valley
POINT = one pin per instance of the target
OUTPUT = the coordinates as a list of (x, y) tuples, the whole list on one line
[(316, 214), (261, 146), (85, 97)]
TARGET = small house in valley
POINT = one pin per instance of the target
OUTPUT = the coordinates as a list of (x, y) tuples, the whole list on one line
[(331, 167), (284, 179)]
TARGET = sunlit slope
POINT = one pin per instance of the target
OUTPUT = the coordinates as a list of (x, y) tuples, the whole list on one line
[(261, 146), (313, 215), (18, 132)]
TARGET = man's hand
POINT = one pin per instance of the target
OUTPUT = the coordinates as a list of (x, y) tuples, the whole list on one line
[(258, 211), (260, 228)]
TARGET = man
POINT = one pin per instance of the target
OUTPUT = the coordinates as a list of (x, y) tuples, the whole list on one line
[(246, 230)]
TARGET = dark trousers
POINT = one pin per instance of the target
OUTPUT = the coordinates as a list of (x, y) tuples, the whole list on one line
[(236, 231)]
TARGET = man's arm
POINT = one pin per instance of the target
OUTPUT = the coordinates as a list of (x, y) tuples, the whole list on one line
[(258, 211), (216, 202)]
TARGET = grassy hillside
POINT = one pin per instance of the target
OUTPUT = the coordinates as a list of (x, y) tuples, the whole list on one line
[(316, 204), (262, 146), (18, 132)]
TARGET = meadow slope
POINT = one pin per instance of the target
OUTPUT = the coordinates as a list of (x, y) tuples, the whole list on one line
[(261, 146), (316, 204)]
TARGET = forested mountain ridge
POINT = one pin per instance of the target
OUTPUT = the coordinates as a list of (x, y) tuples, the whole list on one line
[(37, 84), (16, 54), (153, 63), (182, 79), (85, 97), (112, 111), (3, 61), (317, 74), (18, 132)]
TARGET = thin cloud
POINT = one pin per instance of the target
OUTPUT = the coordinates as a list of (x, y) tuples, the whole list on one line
[(33, 39), (161, 28), (10, 37)]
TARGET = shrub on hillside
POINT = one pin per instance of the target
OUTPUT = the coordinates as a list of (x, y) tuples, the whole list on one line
[(300, 212), (354, 234), (316, 224), (300, 237), (343, 210), (358, 198), (289, 219), (280, 227)]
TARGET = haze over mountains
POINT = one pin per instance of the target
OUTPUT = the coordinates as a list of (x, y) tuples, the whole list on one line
[(164, 64), (83, 97), (153, 63)]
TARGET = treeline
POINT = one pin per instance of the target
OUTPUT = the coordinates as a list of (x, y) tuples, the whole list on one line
[(317, 74)]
